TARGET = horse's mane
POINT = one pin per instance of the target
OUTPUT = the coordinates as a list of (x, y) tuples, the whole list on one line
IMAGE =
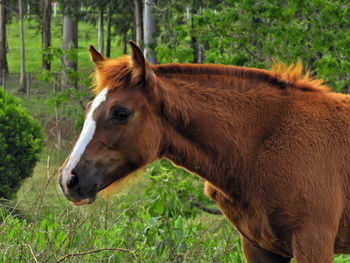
[(293, 75), (118, 71)]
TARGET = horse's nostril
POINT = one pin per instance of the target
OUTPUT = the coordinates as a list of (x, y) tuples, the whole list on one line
[(72, 181)]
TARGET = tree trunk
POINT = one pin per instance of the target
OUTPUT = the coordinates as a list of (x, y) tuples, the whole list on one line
[(109, 21), (100, 31), (22, 80), (46, 32), (194, 39), (138, 21), (205, 47), (70, 41), (3, 50), (125, 43), (149, 25)]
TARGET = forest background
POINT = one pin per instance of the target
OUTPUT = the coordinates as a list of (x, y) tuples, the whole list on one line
[(45, 63)]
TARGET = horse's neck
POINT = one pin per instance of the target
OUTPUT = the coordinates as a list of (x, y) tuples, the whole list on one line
[(211, 131)]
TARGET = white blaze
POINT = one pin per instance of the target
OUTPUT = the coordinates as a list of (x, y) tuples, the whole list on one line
[(87, 133)]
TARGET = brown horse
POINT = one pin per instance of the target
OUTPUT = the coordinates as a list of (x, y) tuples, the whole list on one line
[(273, 147)]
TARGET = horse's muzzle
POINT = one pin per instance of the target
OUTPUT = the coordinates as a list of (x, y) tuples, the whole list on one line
[(78, 188)]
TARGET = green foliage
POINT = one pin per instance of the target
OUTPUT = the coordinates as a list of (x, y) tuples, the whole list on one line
[(63, 97), (136, 221), (253, 33), (157, 225), (21, 141), (171, 231)]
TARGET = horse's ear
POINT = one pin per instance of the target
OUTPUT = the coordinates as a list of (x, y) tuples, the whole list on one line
[(142, 66), (95, 56), (137, 56)]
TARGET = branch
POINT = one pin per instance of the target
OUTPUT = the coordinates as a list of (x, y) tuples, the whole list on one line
[(31, 252), (252, 54), (204, 208), (12, 9), (96, 251)]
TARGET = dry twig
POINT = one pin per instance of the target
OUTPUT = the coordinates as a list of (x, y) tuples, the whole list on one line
[(31, 252), (96, 251)]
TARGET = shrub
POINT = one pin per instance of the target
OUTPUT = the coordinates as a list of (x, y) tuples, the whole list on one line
[(154, 225), (21, 141)]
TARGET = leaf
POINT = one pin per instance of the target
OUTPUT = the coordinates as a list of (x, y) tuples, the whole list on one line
[(153, 221), (160, 248), (179, 222), (159, 207), (179, 227)]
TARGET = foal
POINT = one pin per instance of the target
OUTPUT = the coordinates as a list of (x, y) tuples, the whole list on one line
[(272, 146)]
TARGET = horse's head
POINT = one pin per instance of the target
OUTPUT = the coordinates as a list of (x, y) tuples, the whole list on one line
[(122, 128)]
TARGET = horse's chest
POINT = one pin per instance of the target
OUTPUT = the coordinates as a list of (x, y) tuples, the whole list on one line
[(257, 227), (253, 223), (260, 229)]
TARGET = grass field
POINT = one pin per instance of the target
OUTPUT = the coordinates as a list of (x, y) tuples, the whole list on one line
[(151, 221)]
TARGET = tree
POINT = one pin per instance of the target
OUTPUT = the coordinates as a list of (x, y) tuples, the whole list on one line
[(315, 32), (46, 32), (149, 25), (22, 80), (5, 7), (123, 21), (194, 39), (109, 25), (70, 44), (100, 30), (119, 15), (3, 49), (96, 13), (138, 21), (71, 10), (42, 12), (253, 33)]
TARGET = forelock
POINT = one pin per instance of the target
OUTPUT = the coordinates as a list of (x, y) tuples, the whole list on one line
[(113, 73)]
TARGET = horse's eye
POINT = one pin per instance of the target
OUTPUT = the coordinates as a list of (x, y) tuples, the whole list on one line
[(121, 115)]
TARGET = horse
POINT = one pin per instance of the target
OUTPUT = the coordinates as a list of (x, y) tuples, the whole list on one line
[(273, 147)]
